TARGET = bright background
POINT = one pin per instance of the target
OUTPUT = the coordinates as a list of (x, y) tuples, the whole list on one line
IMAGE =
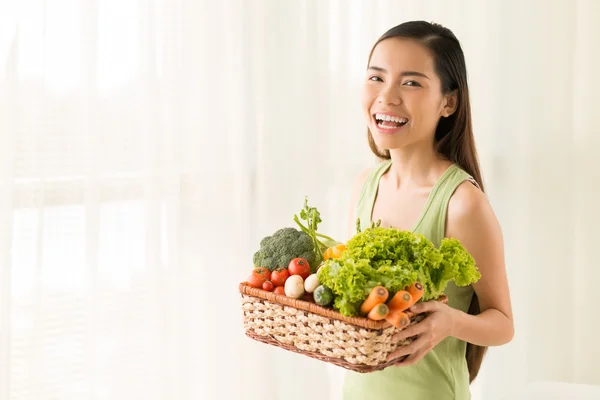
[(146, 146)]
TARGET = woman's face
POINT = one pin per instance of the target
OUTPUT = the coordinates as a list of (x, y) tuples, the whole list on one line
[(402, 96)]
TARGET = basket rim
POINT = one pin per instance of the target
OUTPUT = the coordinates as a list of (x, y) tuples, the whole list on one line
[(363, 322)]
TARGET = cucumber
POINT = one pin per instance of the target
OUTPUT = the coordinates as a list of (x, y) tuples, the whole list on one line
[(323, 296)]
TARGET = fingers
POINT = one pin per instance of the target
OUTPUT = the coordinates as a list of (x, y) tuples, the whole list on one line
[(427, 306), (425, 332), (411, 331), (420, 343), (413, 358)]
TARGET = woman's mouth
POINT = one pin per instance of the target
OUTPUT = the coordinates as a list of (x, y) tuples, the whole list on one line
[(387, 123)]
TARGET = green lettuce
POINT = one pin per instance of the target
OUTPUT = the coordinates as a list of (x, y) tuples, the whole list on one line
[(394, 259)]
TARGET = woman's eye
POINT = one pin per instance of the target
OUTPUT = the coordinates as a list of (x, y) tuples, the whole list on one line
[(375, 79), (411, 83)]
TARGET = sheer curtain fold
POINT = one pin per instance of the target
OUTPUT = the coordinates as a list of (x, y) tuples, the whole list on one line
[(148, 145), (7, 123)]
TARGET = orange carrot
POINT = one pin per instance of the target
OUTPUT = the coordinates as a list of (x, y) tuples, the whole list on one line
[(379, 312), (398, 319), (401, 301), (416, 291), (378, 294)]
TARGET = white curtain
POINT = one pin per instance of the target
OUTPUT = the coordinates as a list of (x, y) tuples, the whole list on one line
[(146, 146)]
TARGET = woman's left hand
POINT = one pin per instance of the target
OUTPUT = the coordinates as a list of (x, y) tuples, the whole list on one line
[(437, 326)]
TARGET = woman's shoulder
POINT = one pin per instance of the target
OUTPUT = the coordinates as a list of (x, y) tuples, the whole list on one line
[(470, 213), (467, 196), (466, 199)]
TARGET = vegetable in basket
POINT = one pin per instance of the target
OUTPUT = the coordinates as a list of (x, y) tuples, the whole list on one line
[(323, 296), (287, 244), (279, 276), (402, 300), (396, 260), (398, 318), (335, 251), (294, 286), (321, 243), (299, 266), (311, 283), (378, 295), (282, 247), (379, 312)]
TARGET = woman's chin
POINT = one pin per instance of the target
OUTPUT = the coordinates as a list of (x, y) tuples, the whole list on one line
[(387, 144)]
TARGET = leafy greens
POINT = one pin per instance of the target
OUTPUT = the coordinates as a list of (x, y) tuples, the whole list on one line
[(395, 259)]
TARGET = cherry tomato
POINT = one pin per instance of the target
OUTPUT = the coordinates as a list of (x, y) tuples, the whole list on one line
[(279, 290), (268, 286), (256, 281), (262, 271), (279, 276), (299, 266)]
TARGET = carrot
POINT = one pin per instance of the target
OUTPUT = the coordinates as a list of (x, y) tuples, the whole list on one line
[(379, 312), (401, 301), (398, 318), (378, 294), (416, 291)]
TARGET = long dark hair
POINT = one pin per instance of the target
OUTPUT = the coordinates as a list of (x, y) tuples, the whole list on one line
[(454, 134)]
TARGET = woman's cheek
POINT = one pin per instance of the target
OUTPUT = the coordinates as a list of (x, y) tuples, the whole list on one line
[(369, 95), (367, 102)]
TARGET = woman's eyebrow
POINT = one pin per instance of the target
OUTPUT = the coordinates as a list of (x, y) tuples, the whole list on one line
[(403, 74)]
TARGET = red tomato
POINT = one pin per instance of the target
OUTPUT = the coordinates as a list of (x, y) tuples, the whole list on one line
[(268, 286), (279, 276), (262, 271), (299, 266), (256, 281), (279, 290)]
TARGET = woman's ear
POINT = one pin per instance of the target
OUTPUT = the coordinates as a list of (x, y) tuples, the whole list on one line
[(450, 103)]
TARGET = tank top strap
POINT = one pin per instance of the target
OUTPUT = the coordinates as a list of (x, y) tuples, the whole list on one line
[(433, 219), (366, 199)]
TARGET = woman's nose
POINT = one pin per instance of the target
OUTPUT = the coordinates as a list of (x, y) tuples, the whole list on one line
[(390, 95)]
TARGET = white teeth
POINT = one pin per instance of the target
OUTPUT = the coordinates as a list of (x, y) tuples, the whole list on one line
[(389, 118)]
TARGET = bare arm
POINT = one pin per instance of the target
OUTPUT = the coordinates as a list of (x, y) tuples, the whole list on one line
[(472, 221)]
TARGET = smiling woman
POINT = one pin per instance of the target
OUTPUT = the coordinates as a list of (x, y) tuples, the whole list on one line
[(416, 104)]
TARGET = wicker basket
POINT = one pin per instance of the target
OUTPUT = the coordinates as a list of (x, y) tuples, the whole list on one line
[(357, 344)]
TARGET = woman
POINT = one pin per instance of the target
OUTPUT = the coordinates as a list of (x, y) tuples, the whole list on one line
[(416, 102)]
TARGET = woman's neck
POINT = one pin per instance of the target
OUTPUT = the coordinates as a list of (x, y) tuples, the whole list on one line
[(416, 167)]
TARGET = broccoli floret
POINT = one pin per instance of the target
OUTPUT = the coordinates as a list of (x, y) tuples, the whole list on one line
[(285, 245)]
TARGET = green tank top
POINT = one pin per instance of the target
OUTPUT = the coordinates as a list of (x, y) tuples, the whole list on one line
[(442, 374)]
